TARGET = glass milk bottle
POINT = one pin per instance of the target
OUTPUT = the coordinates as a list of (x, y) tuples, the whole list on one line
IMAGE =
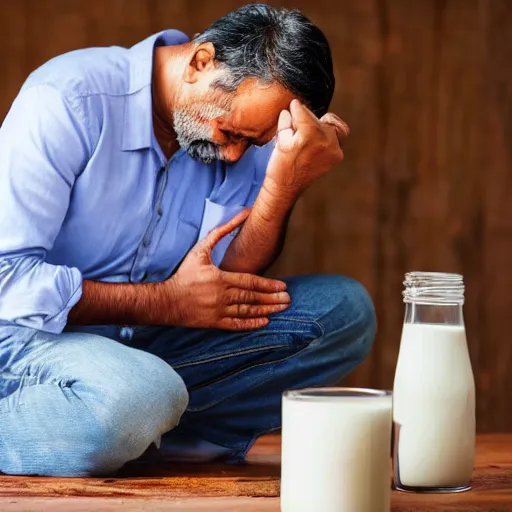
[(434, 389)]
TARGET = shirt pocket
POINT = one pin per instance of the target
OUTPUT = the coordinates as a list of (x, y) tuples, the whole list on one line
[(186, 238), (173, 249), (216, 215)]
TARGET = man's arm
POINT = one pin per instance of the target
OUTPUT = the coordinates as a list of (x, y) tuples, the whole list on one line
[(261, 239), (306, 148), (198, 295), (115, 303), (43, 147)]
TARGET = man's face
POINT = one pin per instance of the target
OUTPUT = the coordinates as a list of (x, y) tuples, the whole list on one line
[(215, 124)]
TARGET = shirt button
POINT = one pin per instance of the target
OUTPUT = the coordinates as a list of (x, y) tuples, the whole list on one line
[(159, 211), (146, 242)]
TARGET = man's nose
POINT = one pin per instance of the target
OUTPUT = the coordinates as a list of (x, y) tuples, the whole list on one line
[(233, 152)]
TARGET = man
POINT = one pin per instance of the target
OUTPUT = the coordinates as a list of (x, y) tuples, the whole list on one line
[(132, 308)]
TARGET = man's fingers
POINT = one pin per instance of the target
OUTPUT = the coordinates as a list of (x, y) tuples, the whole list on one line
[(341, 127), (243, 296), (285, 130), (285, 121), (218, 233), (301, 115), (252, 282), (334, 119), (252, 311), (243, 324)]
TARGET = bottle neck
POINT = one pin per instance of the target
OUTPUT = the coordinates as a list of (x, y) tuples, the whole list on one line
[(445, 314)]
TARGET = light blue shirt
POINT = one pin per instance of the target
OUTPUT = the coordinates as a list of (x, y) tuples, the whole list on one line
[(86, 192)]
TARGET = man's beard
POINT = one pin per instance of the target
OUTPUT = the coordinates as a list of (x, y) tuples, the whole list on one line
[(204, 151), (193, 132)]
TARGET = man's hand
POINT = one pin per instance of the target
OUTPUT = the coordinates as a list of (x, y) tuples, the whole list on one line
[(306, 148), (201, 295)]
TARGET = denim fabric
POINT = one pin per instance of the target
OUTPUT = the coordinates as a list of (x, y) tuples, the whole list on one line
[(88, 400)]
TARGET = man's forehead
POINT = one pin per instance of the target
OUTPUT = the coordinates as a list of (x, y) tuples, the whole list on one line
[(251, 91), (258, 116)]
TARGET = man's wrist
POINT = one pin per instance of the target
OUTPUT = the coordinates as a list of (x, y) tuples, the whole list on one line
[(278, 196), (162, 304)]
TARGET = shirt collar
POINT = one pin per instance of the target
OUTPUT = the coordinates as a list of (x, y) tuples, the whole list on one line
[(138, 116)]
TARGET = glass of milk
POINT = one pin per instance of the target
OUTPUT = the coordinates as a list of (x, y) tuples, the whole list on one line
[(434, 389), (336, 450)]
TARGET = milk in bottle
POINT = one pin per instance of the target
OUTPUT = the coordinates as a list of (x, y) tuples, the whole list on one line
[(434, 391)]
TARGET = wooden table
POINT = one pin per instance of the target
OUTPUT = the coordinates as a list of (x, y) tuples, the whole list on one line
[(250, 488)]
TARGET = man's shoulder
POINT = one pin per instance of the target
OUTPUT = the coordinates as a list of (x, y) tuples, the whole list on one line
[(86, 72)]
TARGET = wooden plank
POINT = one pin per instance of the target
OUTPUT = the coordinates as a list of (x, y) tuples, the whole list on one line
[(496, 130), (75, 504), (438, 178), (156, 486), (206, 487), (404, 78), (214, 505), (117, 22), (164, 14), (456, 220), (14, 70), (53, 28)]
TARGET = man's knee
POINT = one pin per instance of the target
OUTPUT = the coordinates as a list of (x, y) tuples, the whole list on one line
[(352, 314), (343, 309), (138, 414), (126, 400)]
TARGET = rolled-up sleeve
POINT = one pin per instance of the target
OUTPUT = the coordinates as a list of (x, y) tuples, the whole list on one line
[(43, 148)]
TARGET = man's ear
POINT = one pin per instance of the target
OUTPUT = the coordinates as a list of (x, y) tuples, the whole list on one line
[(201, 60)]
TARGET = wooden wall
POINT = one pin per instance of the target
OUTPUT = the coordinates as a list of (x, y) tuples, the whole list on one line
[(426, 87)]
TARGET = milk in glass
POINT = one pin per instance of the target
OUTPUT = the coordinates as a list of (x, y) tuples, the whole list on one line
[(336, 450)]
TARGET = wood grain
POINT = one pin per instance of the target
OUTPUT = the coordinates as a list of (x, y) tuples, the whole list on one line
[(186, 486), (426, 87)]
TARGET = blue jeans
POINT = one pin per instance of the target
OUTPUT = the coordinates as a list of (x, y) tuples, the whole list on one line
[(88, 400)]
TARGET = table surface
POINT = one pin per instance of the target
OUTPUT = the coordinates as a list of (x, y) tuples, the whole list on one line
[(253, 487)]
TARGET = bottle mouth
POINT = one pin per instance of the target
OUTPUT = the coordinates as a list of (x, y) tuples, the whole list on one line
[(433, 288)]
